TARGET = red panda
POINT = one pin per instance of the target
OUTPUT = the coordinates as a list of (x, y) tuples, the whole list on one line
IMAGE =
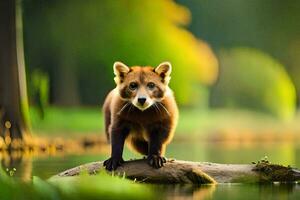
[(140, 111)]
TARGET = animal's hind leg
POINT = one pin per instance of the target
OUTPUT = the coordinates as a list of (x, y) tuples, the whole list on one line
[(139, 145)]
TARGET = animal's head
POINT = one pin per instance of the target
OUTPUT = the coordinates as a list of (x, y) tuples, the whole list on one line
[(142, 86)]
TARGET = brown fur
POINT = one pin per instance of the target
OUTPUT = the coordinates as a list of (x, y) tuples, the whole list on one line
[(162, 116)]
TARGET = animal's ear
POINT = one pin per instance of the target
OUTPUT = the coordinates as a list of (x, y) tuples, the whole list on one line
[(120, 70), (164, 70)]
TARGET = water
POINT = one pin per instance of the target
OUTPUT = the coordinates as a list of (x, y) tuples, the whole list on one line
[(233, 152), (231, 192)]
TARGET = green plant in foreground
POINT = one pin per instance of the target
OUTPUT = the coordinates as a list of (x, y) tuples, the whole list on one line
[(101, 186)]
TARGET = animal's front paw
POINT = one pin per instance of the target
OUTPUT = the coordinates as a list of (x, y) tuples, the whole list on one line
[(156, 161), (112, 163)]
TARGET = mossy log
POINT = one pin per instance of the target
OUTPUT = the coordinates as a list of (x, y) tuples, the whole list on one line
[(177, 171)]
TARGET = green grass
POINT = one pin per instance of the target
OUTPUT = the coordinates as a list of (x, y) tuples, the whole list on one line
[(80, 121), (67, 120), (197, 121)]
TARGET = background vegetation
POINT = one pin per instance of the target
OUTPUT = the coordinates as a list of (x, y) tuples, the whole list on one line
[(82, 40), (235, 76), (74, 46)]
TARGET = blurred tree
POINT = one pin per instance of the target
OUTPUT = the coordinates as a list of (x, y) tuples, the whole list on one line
[(269, 25), (293, 61), (13, 94), (77, 42), (251, 79)]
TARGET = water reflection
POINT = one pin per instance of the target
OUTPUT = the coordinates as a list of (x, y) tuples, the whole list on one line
[(17, 164), (229, 191), (46, 165), (185, 191), (254, 191), (223, 152)]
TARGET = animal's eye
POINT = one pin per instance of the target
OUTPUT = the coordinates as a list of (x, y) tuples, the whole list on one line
[(151, 85), (133, 86)]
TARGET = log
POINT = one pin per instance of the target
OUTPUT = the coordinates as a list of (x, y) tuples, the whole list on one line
[(179, 172)]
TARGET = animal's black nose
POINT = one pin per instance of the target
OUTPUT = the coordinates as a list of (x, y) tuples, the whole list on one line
[(142, 100)]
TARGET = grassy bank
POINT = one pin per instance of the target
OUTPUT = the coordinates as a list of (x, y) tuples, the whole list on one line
[(82, 121)]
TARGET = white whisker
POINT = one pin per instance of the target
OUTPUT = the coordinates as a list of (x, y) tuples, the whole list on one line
[(156, 108), (123, 108), (128, 111), (164, 108)]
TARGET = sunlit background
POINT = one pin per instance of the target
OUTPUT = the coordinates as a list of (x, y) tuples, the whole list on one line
[(236, 79)]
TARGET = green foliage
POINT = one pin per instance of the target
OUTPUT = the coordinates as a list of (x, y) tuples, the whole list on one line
[(89, 36), (101, 186), (251, 79), (39, 90), (271, 25)]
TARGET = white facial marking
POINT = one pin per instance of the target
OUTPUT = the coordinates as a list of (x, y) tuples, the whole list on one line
[(149, 102)]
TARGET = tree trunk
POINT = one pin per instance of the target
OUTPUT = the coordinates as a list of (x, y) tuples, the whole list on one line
[(195, 172), (13, 91)]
